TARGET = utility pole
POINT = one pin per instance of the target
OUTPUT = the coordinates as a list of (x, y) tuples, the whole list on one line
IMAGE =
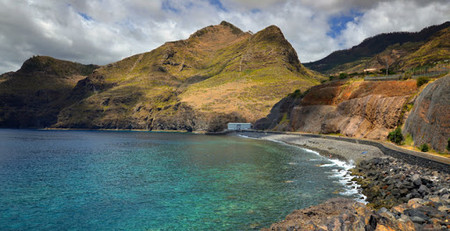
[(387, 66)]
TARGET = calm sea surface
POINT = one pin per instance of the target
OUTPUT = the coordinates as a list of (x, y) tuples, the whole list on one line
[(93, 180)]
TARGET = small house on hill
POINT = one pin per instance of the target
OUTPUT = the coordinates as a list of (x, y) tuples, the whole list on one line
[(370, 70), (239, 126)]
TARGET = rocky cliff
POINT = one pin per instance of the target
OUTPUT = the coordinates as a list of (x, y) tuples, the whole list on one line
[(352, 108), (429, 120)]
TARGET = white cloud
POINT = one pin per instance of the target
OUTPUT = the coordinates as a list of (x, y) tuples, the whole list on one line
[(104, 31), (394, 16)]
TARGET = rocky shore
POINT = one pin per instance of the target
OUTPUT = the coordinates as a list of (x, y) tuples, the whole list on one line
[(400, 196), (387, 182)]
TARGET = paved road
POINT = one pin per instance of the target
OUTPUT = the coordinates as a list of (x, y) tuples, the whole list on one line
[(435, 162)]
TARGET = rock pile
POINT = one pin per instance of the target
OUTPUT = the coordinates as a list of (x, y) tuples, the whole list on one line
[(387, 182)]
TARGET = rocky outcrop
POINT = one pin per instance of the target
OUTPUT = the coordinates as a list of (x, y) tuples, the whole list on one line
[(429, 121), (328, 216), (345, 214), (355, 109), (280, 113)]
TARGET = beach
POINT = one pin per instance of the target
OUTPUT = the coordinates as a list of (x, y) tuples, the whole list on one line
[(351, 152)]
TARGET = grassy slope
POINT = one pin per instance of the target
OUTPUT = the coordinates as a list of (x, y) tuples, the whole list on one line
[(436, 49), (219, 69), (253, 80)]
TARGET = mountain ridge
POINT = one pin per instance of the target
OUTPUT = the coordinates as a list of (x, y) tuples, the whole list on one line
[(218, 74), (343, 60)]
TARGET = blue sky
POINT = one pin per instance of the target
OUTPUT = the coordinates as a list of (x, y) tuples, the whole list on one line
[(339, 22), (105, 31), (85, 16)]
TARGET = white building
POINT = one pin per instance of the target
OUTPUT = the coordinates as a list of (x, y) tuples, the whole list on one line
[(239, 126)]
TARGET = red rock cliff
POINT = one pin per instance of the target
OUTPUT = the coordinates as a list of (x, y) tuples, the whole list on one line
[(358, 109)]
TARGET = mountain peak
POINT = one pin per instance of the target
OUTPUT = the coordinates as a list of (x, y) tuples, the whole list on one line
[(52, 66), (36, 63), (233, 28), (273, 28), (223, 27), (270, 33)]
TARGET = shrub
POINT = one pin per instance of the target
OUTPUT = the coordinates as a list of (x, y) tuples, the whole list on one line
[(424, 148), (343, 75), (448, 144), (296, 94), (396, 136), (421, 81), (406, 76)]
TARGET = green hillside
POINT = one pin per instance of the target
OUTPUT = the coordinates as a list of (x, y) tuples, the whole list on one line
[(400, 50)]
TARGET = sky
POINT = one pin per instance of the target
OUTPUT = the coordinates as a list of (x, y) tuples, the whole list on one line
[(105, 31)]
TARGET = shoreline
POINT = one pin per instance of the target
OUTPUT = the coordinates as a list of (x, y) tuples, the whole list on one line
[(403, 191), (354, 149), (379, 144), (349, 152), (340, 161)]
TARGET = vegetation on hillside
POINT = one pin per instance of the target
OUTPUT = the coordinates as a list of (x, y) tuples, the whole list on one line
[(424, 148), (34, 95), (396, 136), (421, 81), (448, 144)]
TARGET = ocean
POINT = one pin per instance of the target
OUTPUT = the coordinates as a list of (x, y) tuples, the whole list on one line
[(120, 180)]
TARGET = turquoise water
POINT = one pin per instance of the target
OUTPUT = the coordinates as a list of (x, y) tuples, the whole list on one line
[(92, 180)]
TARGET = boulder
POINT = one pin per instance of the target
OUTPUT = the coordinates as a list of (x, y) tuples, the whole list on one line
[(429, 120)]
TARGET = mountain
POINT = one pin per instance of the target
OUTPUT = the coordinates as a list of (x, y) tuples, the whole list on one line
[(218, 74), (34, 95), (401, 50)]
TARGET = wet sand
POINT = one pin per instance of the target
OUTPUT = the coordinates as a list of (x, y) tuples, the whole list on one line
[(326, 147)]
